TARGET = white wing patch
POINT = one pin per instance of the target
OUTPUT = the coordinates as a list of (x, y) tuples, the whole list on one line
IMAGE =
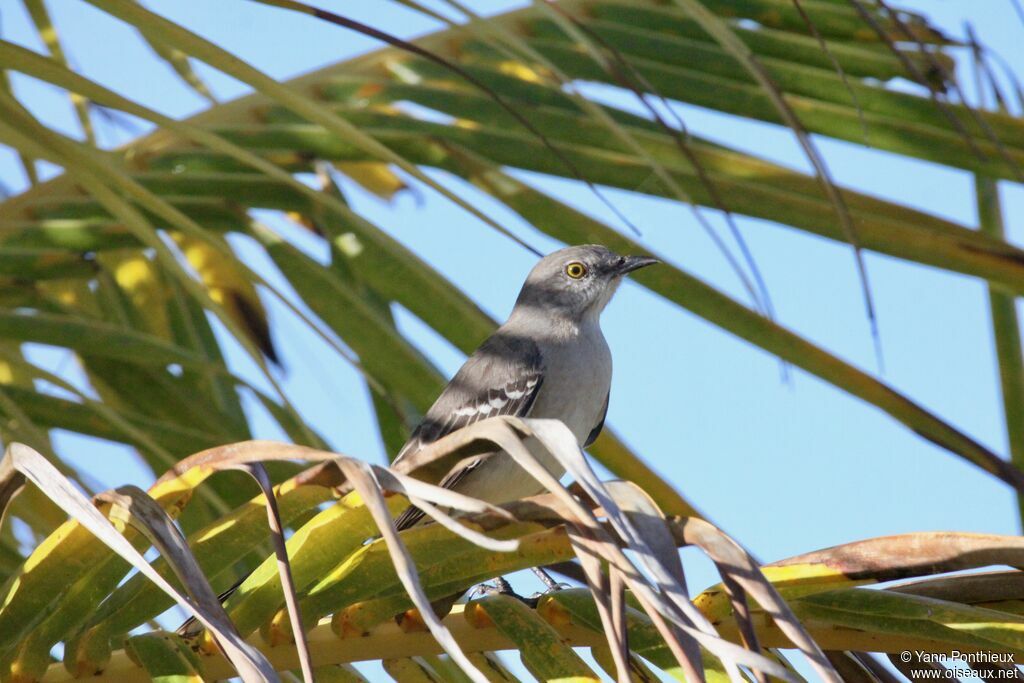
[(496, 400)]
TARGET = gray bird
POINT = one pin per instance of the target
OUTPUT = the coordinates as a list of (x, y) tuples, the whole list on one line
[(549, 360)]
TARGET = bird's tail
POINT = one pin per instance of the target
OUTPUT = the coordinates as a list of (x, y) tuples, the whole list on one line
[(191, 626), (410, 518)]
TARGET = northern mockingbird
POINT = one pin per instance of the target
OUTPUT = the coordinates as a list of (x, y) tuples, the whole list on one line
[(549, 360)]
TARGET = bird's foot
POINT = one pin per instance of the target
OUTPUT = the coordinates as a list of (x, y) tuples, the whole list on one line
[(500, 586)]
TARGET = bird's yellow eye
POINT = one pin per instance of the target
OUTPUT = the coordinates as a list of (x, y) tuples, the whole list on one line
[(575, 270)]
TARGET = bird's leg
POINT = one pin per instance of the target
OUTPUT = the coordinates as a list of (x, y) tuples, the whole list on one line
[(546, 579), (503, 587)]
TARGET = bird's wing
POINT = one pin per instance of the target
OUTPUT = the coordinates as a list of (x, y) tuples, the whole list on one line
[(596, 431), (502, 377)]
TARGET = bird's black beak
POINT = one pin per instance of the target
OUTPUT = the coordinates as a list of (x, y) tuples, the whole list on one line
[(630, 263)]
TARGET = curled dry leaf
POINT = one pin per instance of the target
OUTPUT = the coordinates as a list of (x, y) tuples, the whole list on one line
[(249, 662), (738, 566)]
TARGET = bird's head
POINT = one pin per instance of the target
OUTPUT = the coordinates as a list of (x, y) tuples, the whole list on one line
[(577, 282)]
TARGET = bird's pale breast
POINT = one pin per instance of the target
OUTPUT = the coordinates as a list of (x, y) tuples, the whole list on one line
[(577, 376)]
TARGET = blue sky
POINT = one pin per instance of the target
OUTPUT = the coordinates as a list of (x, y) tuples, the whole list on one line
[(785, 468)]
